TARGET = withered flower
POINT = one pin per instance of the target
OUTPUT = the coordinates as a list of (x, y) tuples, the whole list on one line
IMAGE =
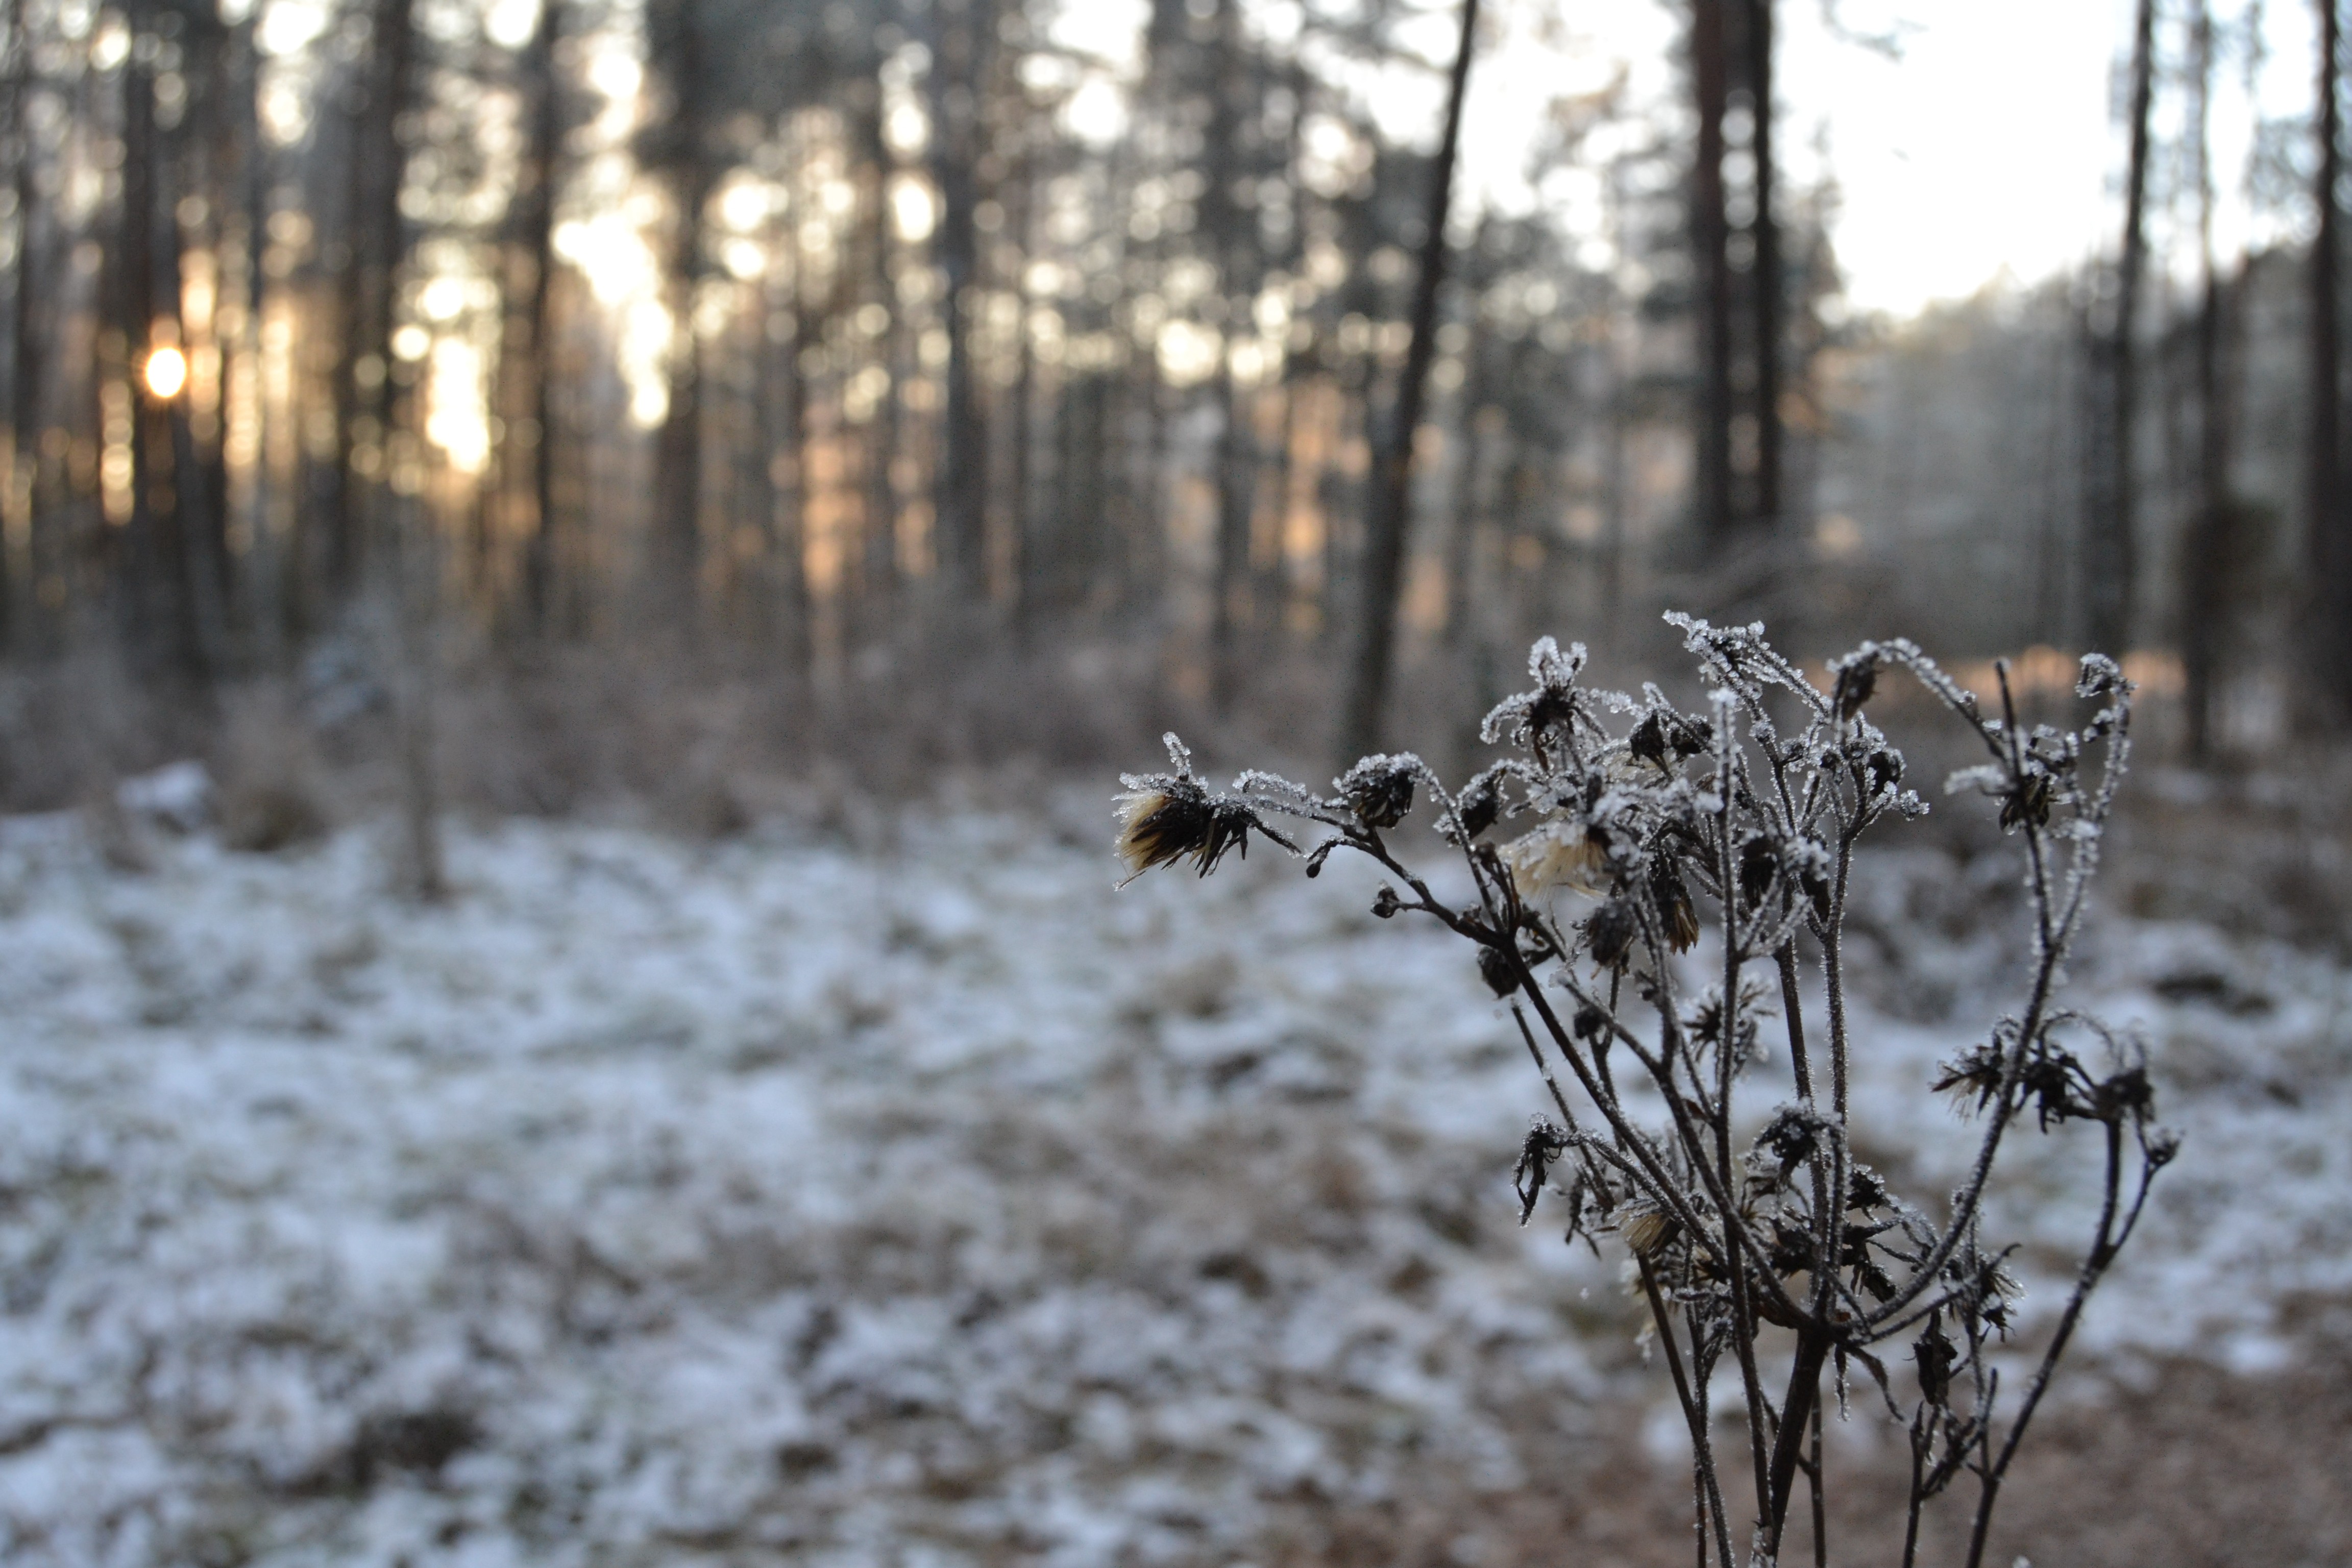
[(1858, 679), (1496, 969), (1545, 1144), (1611, 930), (1648, 1228), (1479, 805), (1164, 819), (2030, 802), (1759, 863), (1378, 790), (1675, 911), (1558, 853)]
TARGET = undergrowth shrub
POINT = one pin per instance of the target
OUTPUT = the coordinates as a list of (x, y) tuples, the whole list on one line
[(1727, 1179)]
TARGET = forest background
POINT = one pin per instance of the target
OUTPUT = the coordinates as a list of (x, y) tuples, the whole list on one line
[(893, 383)]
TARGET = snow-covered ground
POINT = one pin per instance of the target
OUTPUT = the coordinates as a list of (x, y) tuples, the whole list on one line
[(926, 1202)]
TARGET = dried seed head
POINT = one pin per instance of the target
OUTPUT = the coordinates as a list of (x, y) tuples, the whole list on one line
[(2028, 802), (1479, 805), (1675, 911), (1857, 677), (1558, 853), (1759, 864), (1496, 968), (1647, 1229), (1611, 930), (1164, 819), (1378, 790)]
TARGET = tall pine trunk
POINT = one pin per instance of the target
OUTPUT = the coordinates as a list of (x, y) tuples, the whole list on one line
[(1764, 281), (2112, 562), (1389, 514), (960, 71), (1710, 238), (2327, 541)]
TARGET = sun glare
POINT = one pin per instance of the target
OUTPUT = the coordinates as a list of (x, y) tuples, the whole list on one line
[(167, 373)]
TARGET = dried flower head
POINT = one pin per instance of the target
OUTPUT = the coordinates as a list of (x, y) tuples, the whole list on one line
[(1561, 853), (1163, 818)]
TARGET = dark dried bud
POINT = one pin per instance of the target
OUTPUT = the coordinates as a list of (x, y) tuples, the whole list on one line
[(1545, 1144), (1865, 1189), (1791, 1137), (1675, 911), (1817, 891), (1495, 967), (2030, 802), (1935, 1354), (1759, 863), (1479, 807), (1610, 931), (1385, 904), (1977, 1071), (1663, 736), (1380, 797), (1857, 679), (1648, 741), (1886, 766), (2126, 1095), (1587, 1022)]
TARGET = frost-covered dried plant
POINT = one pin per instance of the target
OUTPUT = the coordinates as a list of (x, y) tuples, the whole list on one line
[(1749, 1228)]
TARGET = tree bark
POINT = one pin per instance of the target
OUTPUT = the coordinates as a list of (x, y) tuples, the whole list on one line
[(1710, 236), (1764, 280), (1390, 515), (2112, 567), (544, 554), (674, 544), (960, 74), (2327, 541), (2205, 606)]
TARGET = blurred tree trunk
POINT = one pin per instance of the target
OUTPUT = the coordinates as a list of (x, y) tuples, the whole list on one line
[(2111, 563), (1390, 515), (1764, 276), (172, 585), (959, 73), (1221, 222), (784, 423), (1469, 469), (544, 553), (2204, 607), (1710, 236), (22, 479), (364, 382), (2328, 532), (673, 543), (876, 568)]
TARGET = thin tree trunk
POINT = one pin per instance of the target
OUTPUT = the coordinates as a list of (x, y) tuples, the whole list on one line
[(967, 37), (1390, 515), (24, 342), (542, 556), (2205, 604), (1764, 280), (674, 534), (1710, 235), (2113, 565), (2327, 542)]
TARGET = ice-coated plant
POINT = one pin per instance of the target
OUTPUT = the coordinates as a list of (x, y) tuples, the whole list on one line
[(1711, 853)]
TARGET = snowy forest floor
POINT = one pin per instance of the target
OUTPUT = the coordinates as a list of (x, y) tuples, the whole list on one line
[(911, 1197)]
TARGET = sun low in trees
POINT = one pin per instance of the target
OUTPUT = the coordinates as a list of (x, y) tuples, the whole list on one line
[(1704, 1130)]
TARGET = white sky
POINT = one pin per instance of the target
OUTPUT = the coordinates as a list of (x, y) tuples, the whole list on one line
[(1987, 147)]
